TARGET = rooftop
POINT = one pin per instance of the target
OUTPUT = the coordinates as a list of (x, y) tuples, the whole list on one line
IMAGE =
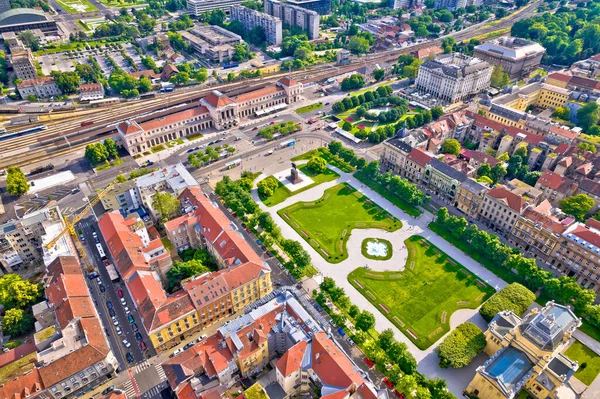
[(511, 47)]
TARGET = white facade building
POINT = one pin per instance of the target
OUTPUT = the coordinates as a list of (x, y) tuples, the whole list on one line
[(453, 77), (250, 19)]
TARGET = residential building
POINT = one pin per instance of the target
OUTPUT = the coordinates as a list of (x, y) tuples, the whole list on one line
[(368, 71), (394, 155), (478, 158), (450, 4), (529, 193), (500, 209), (469, 197), (91, 91), (297, 13), (526, 353), (443, 179), (283, 331), (427, 52), (4, 5), (251, 19), (172, 179), (558, 134), (214, 43), (122, 196), (577, 253), (555, 187), (416, 161), (537, 232), (518, 57), (589, 68), (11, 39), (399, 4), (216, 111), (453, 77), (40, 87), (199, 7), (22, 240), (591, 188), (23, 64), (558, 79), (321, 7)]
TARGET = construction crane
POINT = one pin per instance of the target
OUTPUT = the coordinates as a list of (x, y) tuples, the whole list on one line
[(70, 226)]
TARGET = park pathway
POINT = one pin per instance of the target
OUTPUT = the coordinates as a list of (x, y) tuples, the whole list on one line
[(427, 359)]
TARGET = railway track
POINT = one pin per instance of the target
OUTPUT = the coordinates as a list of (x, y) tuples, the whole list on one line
[(64, 136)]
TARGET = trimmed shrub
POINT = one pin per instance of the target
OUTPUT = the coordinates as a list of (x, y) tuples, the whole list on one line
[(515, 297), (461, 346)]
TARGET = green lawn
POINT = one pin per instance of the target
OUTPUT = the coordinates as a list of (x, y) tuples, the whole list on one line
[(282, 193), (309, 108), (382, 190), (122, 3), (421, 299), (158, 148), (326, 224), (76, 6), (590, 330), (589, 362), (326, 156)]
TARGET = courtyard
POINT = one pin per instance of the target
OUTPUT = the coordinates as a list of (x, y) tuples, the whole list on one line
[(326, 224), (420, 297), (589, 362)]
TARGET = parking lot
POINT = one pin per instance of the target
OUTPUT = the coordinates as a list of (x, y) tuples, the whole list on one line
[(66, 61)]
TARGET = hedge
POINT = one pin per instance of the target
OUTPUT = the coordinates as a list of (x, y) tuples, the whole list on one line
[(461, 346), (515, 297)]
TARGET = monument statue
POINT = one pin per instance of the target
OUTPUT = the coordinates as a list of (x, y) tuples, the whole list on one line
[(294, 176)]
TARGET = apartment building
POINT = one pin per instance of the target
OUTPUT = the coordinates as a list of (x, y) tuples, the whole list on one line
[(537, 232), (500, 209), (469, 197), (443, 179), (296, 13), (122, 196), (416, 161), (43, 87), (251, 19), (518, 57), (216, 111), (74, 356), (23, 64), (199, 7), (91, 91), (282, 331), (321, 7), (526, 353), (453, 77), (22, 240), (578, 253), (212, 42), (451, 5), (394, 155), (555, 187)]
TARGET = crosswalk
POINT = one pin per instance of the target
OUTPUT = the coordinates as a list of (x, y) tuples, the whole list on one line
[(141, 367), (161, 372), (129, 390)]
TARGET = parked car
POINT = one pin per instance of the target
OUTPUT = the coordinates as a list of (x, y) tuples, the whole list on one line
[(130, 318), (102, 288), (123, 302), (120, 293), (98, 280), (138, 336), (119, 331), (177, 352), (126, 343), (111, 312), (126, 309), (92, 276), (129, 357), (108, 390), (134, 327), (188, 345), (142, 345), (109, 304), (115, 321)]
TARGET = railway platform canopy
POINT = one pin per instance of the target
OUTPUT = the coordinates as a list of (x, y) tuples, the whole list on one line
[(44, 183)]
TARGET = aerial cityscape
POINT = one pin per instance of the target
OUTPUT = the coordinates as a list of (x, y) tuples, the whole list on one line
[(272, 199)]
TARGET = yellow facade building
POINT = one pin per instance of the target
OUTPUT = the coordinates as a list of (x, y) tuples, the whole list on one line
[(526, 354)]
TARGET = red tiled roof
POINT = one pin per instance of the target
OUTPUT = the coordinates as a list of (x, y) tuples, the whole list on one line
[(25, 386), (482, 158), (71, 363), (563, 132), (426, 52), (512, 200), (182, 116), (562, 148), (419, 156), (587, 233), (129, 127), (549, 222), (90, 87), (34, 82), (483, 122), (341, 394), (551, 180), (560, 76), (255, 94), (217, 100), (292, 359), (148, 295), (287, 81), (529, 137), (74, 308), (332, 366)]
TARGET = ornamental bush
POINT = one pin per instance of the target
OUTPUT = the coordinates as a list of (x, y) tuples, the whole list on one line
[(515, 297), (461, 346)]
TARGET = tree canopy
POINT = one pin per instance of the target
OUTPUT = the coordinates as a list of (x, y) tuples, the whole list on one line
[(450, 146), (317, 164), (577, 206), (514, 297), (17, 322), (16, 183), (18, 293), (461, 346), (166, 205)]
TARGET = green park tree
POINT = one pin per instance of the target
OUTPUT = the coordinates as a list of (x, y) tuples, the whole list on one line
[(450, 146), (317, 164), (166, 205), (17, 322), (15, 292), (587, 116), (16, 183), (577, 206), (462, 345), (365, 321)]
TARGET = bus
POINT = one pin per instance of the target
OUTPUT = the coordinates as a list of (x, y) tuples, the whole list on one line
[(101, 251), (233, 164), (112, 273), (289, 143)]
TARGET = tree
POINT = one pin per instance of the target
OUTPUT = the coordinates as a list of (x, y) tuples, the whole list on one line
[(87, 73), (335, 147), (111, 148), (514, 297), (365, 321), (497, 172), (18, 293), (379, 74), (353, 311), (30, 40), (96, 153), (450, 146), (327, 284), (588, 115), (409, 385), (16, 183), (297, 252), (201, 75), (266, 187), (17, 322), (484, 170), (144, 85), (231, 76), (67, 82), (436, 112), (356, 81), (182, 78), (563, 113), (166, 205), (182, 270), (499, 78), (386, 339), (587, 147), (347, 126), (317, 164), (462, 345), (359, 45), (577, 206)]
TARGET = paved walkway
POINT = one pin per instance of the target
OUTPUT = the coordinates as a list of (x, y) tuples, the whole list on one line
[(427, 359)]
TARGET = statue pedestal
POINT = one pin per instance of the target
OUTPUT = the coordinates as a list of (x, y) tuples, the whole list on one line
[(294, 177)]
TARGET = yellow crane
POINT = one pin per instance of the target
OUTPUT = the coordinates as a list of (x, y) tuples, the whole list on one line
[(70, 226)]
